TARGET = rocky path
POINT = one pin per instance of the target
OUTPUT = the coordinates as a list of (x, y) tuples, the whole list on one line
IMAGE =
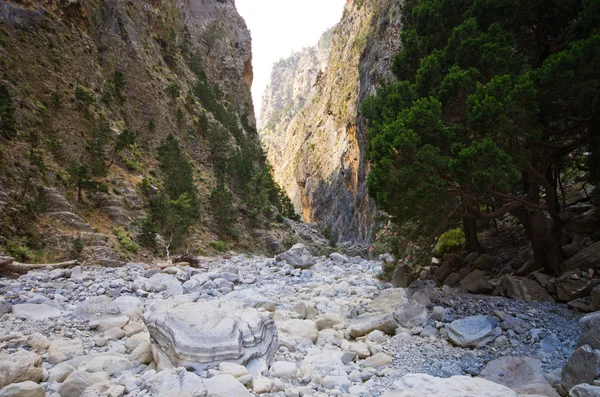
[(241, 326)]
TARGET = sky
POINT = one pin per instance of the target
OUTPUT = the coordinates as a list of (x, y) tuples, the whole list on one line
[(280, 27)]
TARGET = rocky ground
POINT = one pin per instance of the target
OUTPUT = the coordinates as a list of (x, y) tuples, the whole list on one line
[(295, 325)]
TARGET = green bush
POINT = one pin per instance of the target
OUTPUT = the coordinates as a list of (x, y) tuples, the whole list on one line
[(218, 245), (224, 213), (126, 241), (82, 94), (20, 252), (148, 231), (7, 117), (450, 241)]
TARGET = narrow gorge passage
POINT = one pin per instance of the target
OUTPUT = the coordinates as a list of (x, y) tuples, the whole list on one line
[(349, 198)]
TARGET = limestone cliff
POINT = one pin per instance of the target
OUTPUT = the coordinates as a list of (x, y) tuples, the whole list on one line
[(67, 65), (311, 128)]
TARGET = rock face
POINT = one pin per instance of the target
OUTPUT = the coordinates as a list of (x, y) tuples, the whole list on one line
[(419, 385), (201, 335), (137, 65), (310, 125)]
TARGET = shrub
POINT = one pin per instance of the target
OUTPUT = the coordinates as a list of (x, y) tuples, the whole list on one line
[(126, 241), (148, 231), (218, 245), (224, 214), (7, 114), (20, 252), (449, 241), (83, 95)]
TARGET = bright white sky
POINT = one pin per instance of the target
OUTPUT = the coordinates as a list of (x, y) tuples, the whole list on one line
[(280, 27)]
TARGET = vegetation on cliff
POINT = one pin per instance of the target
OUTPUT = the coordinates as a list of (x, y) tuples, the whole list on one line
[(495, 103)]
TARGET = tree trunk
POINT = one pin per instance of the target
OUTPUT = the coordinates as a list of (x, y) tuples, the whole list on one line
[(471, 240), (544, 236)]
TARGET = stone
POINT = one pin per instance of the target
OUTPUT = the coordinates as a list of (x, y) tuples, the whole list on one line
[(78, 381), (251, 298), (298, 256), (421, 385), (105, 389), (588, 258), (338, 382), (475, 331), (411, 316), (439, 313), (20, 366), (103, 310), (388, 300), (306, 329), (595, 297), (403, 276), (379, 360), (361, 349), (225, 386), (569, 288), (262, 385), (368, 322), (284, 370), (585, 390), (330, 320), (60, 372), (64, 349), (202, 334), (476, 283), (23, 389), (522, 289), (164, 284), (486, 262), (590, 331), (36, 312), (38, 342), (583, 367), (171, 383), (108, 364), (233, 369), (521, 374), (339, 258)]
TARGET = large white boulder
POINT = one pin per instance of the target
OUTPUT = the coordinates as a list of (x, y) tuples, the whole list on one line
[(421, 385), (474, 331), (298, 256), (171, 383), (18, 367), (521, 374), (201, 335)]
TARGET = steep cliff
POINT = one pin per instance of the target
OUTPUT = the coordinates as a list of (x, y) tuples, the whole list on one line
[(310, 125), (87, 84)]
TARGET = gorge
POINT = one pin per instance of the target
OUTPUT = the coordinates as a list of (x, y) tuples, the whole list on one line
[(413, 213)]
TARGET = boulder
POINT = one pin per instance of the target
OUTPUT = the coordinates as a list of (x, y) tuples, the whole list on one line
[(522, 289), (475, 331), (225, 386), (403, 276), (64, 349), (339, 258), (103, 310), (583, 367), (19, 367), (330, 320), (388, 300), (584, 259), (521, 374), (306, 329), (36, 312), (298, 256), (23, 389), (38, 342), (109, 364), (476, 283), (570, 286), (379, 360), (585, 390), (486, 262), (367, 322), (104, 389), (411, 316), (595, 297), (202, 334), (590, 330), (171, 383), (164, 284), (251, 298), (78, 381), (421, 385), (284, 369), (233, 369)]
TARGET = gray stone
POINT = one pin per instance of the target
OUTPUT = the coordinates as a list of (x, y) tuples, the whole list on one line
[(78, 381), (475, 331), (590, 330), (522, 289), (569, 288), (583, 367), (201, 335), (36, 312), (403, 276), (388, 300), (585, 390), (306, 329), (476, 283), (284, 369), (521, 374), (411, 316), (379, 360), (165, 284), (486, 262), (421, 385), (298, 256), (367, 322), (251, 298), (584, 259), (23, 389), (225, 386), (19, 367), (171, 383)]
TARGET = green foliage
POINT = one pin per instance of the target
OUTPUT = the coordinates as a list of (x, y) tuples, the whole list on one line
[(97, 147), (174, 89), (84, 96), (148, 231), (218, 245), (484, 107), (125, 240), (114, 91), (20, 252), (224, 213), (80, 179), (125, 140), (8, 127), (177, 207), (451, 240)]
